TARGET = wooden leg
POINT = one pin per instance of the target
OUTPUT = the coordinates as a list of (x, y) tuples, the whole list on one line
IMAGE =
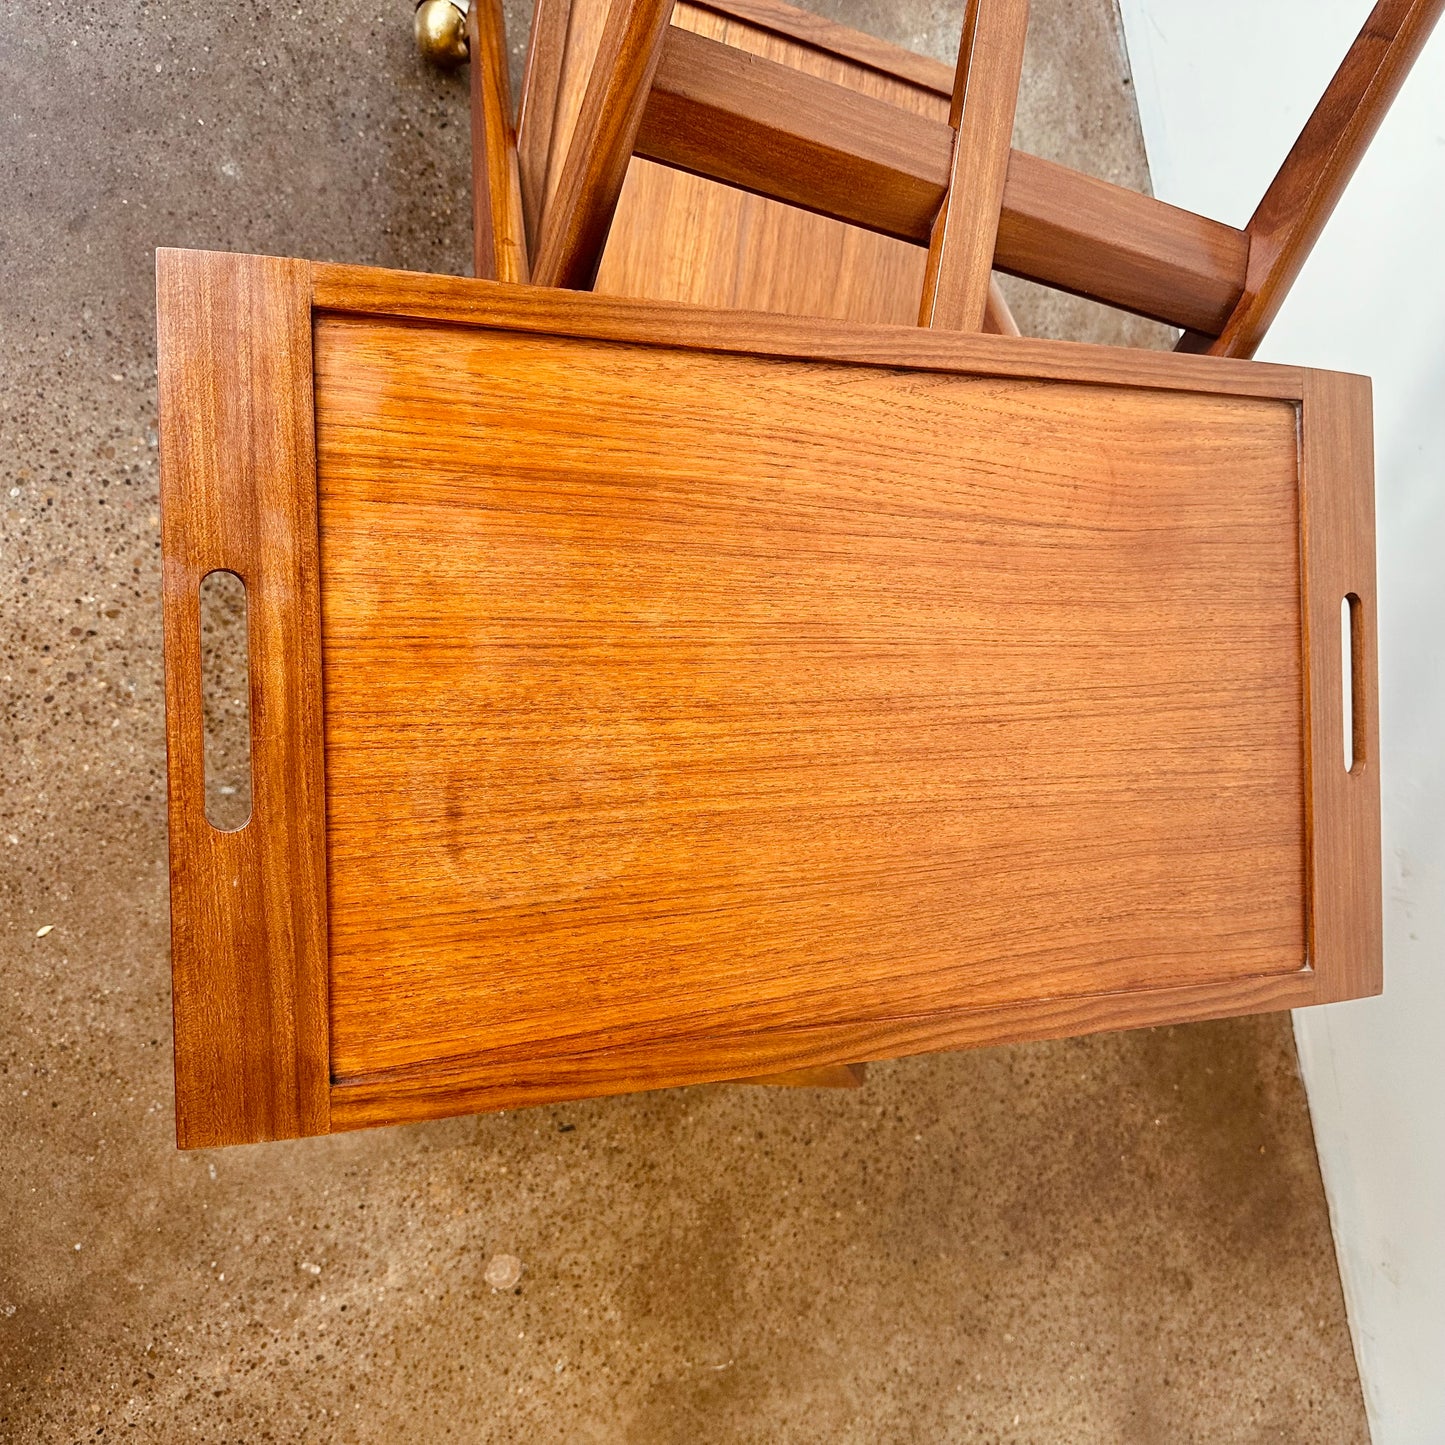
[(997, 318), (985, 94), (537, 113), (1288, 221), (499, 232), (576, 220)]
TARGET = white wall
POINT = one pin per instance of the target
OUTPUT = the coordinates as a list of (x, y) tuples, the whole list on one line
[(1223, 89)]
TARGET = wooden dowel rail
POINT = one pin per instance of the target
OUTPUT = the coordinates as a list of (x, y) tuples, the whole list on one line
[(537, 111), (733, 117), (696, 104), (576, 221), (1303, 195), (961, 245), (499, 232)]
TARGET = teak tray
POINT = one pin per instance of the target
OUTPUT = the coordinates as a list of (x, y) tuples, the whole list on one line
[(643, 695)]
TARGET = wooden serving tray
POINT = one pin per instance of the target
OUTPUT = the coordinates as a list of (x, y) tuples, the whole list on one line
[(643, 695)]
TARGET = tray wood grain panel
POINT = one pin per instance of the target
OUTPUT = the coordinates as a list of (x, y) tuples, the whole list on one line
[(702, 696), (720, 687), (678, 237)]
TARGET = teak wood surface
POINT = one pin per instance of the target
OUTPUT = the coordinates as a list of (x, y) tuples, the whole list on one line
[(704, 696), (1303, 195), (499, 229), (248, 908), (576, 220), (679, 237), (759, 96), (784, 110), (981, 114)]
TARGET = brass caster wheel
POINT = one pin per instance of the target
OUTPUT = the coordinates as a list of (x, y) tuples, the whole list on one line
[(441, 32)]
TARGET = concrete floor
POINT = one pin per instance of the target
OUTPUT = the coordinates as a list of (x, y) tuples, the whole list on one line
[(1114, 1239)]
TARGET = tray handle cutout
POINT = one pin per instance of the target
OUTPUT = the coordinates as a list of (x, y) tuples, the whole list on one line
[(226, 699)]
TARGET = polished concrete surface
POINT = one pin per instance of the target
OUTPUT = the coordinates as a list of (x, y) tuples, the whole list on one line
[(1114, 1239)]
